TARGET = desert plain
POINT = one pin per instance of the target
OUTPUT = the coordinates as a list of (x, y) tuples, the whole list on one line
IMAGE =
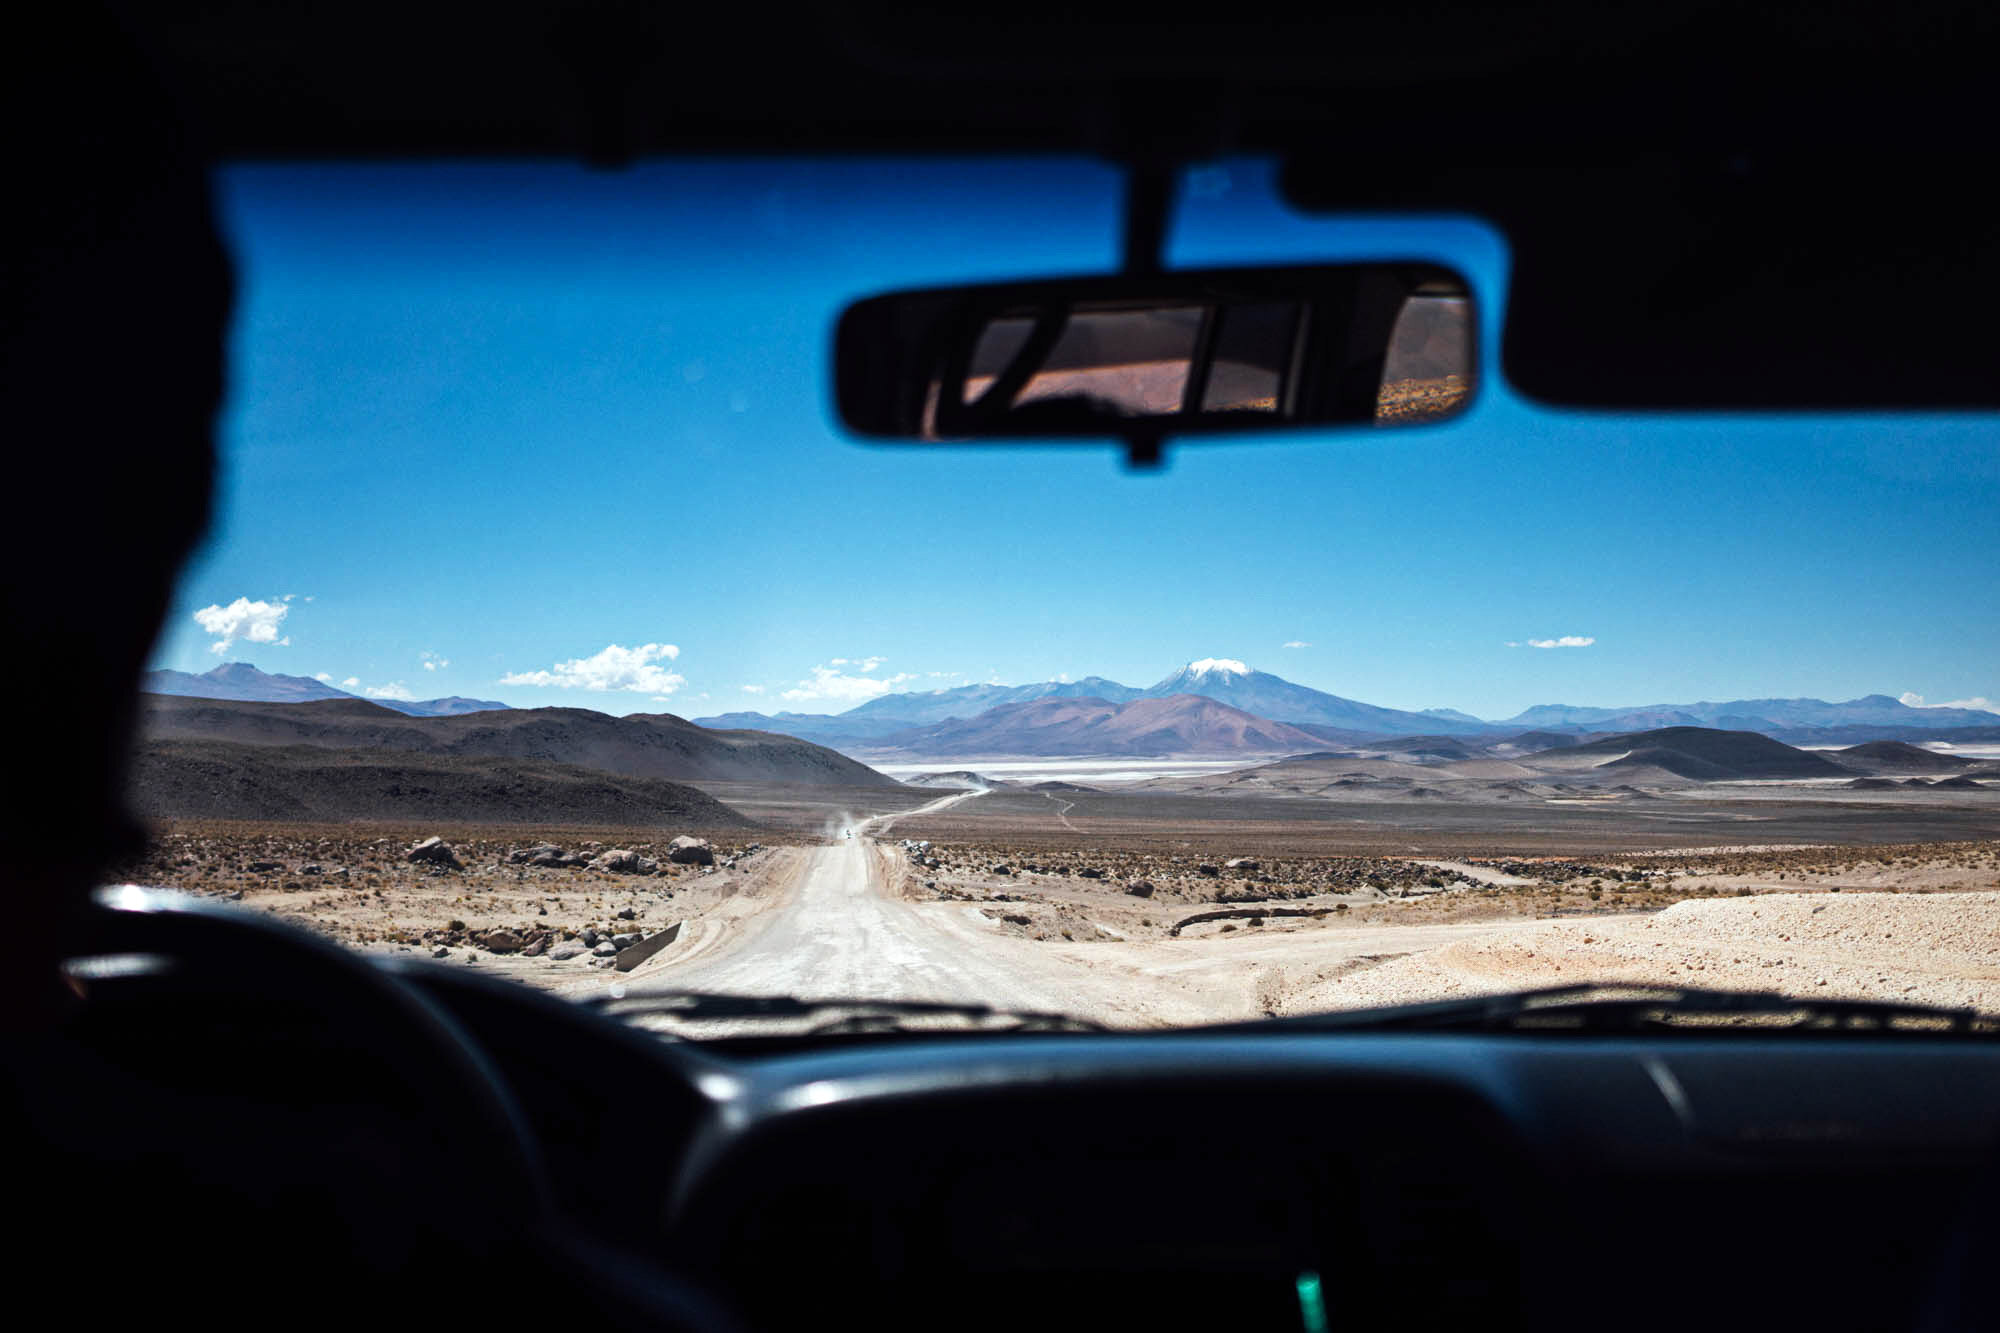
[(1163, 902)]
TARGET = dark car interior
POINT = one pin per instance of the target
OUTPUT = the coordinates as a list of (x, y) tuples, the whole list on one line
[(1707, 206)]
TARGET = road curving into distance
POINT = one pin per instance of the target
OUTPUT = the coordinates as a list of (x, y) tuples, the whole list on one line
[(832, 930)]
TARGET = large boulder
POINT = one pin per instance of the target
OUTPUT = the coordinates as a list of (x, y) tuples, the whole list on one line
[(542, 853), (501, 941), (433, 851), (624, 861), (686, 851), (1140, 888), (1241, 863)]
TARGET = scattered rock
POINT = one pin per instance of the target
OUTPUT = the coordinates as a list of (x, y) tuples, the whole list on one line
[(625, 941), (501, 941), (1091, 872), (1241, 863), (589, 939), (567, 950), (442, 951), (522, 856), (264, 867), (604, 949), (625, 861), (631, 957), (626, 914), (433, 851), (1140, 888), (536, 947), (687, 851), (1210, 871)]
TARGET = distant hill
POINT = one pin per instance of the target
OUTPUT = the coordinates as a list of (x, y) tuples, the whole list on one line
[(451, 705), (1899, 757), (227, 780), (242, 681), (917, 707), (819, 728), (956, 780), (1767, 715), (1703, 754), (1179, 725), (1265, 695), (1428, 747), (658, 745)]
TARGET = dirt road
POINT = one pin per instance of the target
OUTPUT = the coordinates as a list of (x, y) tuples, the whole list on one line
[(833, 930), (837, 934)]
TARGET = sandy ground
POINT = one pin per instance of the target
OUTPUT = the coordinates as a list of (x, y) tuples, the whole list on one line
[(1940, 949), (1049, 928)]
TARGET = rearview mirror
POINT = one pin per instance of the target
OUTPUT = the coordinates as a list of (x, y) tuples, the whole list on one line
[(1143, 357)]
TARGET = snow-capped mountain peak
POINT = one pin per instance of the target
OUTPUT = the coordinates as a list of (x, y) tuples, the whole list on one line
[(1215, 666)]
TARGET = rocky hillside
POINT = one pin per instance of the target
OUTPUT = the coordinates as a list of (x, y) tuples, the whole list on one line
[(310, 783), (656, 745), (1700, 753)]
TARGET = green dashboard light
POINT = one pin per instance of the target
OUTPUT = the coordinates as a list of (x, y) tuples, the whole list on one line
[(1312, 1303)]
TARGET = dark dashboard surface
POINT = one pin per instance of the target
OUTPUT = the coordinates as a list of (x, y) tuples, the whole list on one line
[(1189, 1179)]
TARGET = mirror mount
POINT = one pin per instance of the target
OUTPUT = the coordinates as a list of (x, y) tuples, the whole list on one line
[(1149, 206)]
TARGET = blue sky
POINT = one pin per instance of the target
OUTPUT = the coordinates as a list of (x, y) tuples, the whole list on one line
[(487, 422)]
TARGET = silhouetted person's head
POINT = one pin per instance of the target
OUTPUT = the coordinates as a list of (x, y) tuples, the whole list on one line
[(116, 293)]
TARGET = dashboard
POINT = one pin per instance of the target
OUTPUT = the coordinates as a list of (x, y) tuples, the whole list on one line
[(1301, 1181)]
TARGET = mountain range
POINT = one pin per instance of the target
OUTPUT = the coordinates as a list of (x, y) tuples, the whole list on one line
[(1176, 724), (1268, 714), (242, 681), (992, 719)]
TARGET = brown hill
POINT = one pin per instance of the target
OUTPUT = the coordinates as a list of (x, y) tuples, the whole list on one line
[(228, 780), (657, 745), (1703, 754), (1177, 724), (1879, 757)]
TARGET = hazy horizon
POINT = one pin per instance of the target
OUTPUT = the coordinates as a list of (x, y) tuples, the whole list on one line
[(773, 710)]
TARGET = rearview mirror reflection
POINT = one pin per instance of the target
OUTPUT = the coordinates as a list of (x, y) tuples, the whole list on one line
[(1183, 353)]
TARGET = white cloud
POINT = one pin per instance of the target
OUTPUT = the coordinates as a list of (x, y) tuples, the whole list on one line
[(636, 670), (1062, 677), (1978, 701), (1297, 643), (753, 689), (828, 683), (252, 622), (1566, 641), (350, 682), (322, 675), (432, 662), (395, 689)]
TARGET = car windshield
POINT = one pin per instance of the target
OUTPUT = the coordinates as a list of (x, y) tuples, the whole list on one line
[(552, 626)]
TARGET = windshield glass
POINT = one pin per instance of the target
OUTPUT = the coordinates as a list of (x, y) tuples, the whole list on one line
[(552, 626)]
